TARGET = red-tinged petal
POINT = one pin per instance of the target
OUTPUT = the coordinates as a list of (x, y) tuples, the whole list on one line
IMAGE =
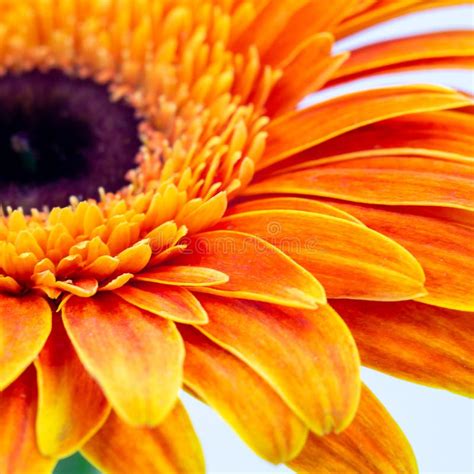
[(25, 323), (443, 248), (18, 451), (308, 71), (135, 357), (382, 10), (171, 448), (400, 52), (350, 260), (318, 378), (303, 129), (177, 304), (242, 398), (184, 276), (291, 204), (373, 444), (257, 270), (415, 341), (389, 180), (71, 406)]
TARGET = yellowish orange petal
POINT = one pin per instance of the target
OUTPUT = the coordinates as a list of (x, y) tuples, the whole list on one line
[(172, 447), (25, 323), (318, 378), (84, 287), (71, 406), (134, 259), (350, 260), (184, 276), (135, 357), (256, 269), (174, 303), (302, 129), (242, 398), (9, 285), (373, 444), (19, 453), (415, 341)]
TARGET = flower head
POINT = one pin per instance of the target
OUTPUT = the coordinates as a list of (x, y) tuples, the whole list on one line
[(225, 219)]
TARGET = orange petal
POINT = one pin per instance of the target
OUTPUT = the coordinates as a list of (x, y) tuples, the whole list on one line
[(135, 357), (291, 204), (308, 71), (268, 24), (350, 260), (381, 10), (414, 341), (382, 156), (445, 131), (18, 451), (415, 50), (242, 398), (390, 180), (373, 444), (302, 129), (177, 304), (171, 448), (184, 276), (425, 64), (71, 406), (25, 323), (257, 270), (313, 17), (318, 378), (443, 248)]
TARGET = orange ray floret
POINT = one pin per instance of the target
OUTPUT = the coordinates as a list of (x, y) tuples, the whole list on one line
[(154, 362), (261, 418), (431, 337), (430, 50), (159, 449), (71, 406), (372, 430), (210, 269)]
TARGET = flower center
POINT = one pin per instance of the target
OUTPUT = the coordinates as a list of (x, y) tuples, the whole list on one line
[(61, 136)]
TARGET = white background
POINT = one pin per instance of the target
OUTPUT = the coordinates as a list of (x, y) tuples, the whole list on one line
[(439, 425)]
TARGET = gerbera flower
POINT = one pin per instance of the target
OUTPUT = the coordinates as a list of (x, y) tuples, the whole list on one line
[(254, 249)]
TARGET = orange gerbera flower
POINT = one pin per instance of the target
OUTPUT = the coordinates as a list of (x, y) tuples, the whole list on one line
[(210, 268)]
